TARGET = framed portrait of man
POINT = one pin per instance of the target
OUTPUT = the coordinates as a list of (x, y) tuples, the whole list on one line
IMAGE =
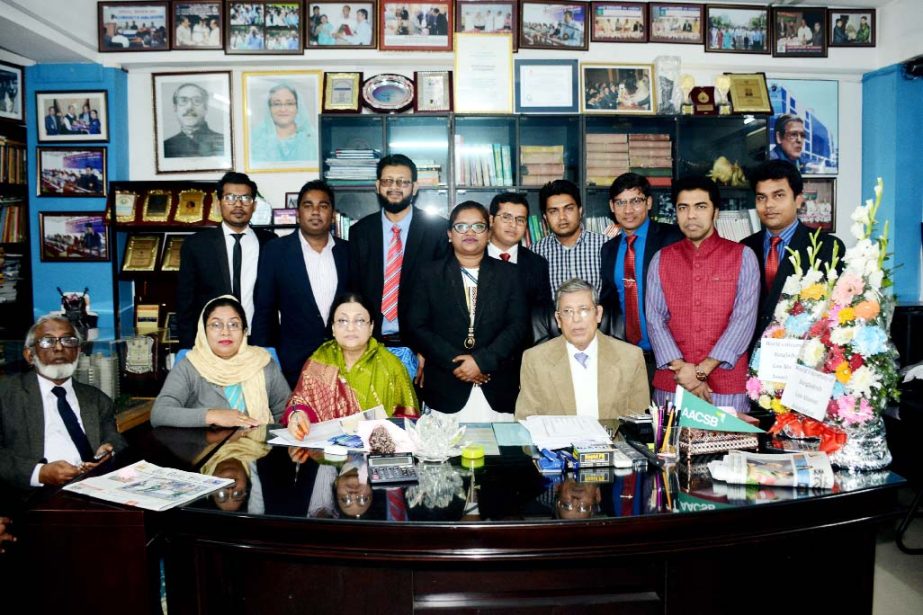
[(11, 90), (344, 25), (280, 120), (192, 122), (804, 129)]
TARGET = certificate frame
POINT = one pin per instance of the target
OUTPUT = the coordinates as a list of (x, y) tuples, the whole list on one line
[(749, 93), (483, 63), (623, 78), (341, 92), (433, 91), (125, 205), (170, 259), (190, 208), (153, 212), (530, 98), (141, 252)]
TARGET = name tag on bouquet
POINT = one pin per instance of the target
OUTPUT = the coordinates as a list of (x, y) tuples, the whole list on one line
[(777, 358), (808, 391)]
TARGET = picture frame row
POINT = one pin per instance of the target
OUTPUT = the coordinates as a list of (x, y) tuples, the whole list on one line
[(290, 27)]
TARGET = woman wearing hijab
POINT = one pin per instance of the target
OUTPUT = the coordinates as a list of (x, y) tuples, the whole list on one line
[(284, 135)]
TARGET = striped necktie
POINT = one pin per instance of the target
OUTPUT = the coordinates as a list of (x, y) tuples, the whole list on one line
[(392, 275)]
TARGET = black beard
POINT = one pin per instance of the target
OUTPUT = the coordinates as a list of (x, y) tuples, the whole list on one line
[(394, 208)]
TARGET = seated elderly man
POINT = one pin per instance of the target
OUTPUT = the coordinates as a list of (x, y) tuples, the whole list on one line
[(583, 372), (52, 428)]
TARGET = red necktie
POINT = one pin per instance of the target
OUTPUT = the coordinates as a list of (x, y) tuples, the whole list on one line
[(632, 317), (772, 261), (505, 257), (392, 275), (397, 508)]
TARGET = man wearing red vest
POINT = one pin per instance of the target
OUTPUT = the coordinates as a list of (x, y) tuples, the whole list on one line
[(701, 304)]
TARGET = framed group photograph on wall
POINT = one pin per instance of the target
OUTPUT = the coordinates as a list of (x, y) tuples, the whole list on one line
[(11, 92), (480, 17), (546, 86), (619, 22), (72, 116), (192, 122), (804, 127), (341, 92), (433, 91), (264, 28), (618, 88), (408, 26), (72, 171), (799, 32), (737, 29), (345, 25), (197, 25), (818, 210), (69, 236), (134, 26), (673, 22), (545, 24), (851, 27), (280, 120)]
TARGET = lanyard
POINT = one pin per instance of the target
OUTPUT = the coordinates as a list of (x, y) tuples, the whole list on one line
[(471, 298)]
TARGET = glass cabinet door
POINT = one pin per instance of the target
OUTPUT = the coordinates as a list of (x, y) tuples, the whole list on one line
[(425, 140), (350, 148), (485, 148), (549, 149), (726, 147)]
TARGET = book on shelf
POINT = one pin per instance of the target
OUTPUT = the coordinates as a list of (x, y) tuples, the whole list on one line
[(482, 164), (540, 164), (735, 224), (352, 165), (12, 223), (13, 168)]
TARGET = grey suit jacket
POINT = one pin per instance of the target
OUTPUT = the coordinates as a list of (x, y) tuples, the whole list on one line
[(22, 425), (547, 387)]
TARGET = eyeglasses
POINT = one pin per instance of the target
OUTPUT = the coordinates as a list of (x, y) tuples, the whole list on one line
[(387, 182), (230, 199), (223, 495), (510, 218), (794, 134), (217, 326), (198, 101), (462, 227), (344, 323), (571, 313), (349, 498), (276, 104), (635, 201), (49, 341)]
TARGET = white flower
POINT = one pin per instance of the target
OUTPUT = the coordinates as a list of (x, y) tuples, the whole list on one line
[(861, 214), (842, 335), (862, 382), (791, 286), (879, 187), (857, 230), (813, 276), (812, 352), (781, 311), (818, 310)]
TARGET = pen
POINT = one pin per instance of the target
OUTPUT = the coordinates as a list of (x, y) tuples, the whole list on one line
[(644, 450)]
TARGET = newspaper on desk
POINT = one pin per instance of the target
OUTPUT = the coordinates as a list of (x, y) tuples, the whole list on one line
[(809, 469), (151, 487), (320, 434), (554, 432)]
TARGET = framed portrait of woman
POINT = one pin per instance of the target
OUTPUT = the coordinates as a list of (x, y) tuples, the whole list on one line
[(280, 120)]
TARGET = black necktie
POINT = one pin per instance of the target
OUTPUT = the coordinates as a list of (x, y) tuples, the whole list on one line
[(73, 426), (238, 261)]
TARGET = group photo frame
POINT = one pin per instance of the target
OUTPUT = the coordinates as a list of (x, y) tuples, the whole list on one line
[(266, 28), (546, 24), (133, 26), (619, 22), (425, 26), (799, 32), (618, 88), (73, 236), (487, 17), (737, 29), (75, 117), (818, 207), (72, 171), (197, 24), (675, 22), (343, 25), (11, 92), (852, 27)]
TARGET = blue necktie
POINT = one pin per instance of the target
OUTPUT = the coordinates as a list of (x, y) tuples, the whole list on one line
[(72, 424), (582, 358)]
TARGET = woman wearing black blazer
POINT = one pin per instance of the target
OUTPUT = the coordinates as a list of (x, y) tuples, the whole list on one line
[(471, 365)]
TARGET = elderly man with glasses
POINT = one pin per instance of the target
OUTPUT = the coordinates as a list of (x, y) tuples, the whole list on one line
[(52, 429), (790, 137), (195, 138)]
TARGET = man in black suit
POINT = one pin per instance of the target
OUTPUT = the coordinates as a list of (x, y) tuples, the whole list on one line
[(51, 121), (51, 427), (299, 277), (195, 138), (221, 260), (630, 201), (509, 219), (778, 187), (409, 235)]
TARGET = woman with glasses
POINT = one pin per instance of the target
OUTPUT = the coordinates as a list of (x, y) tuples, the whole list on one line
[(470, 321), (222, 381), (351, 373)]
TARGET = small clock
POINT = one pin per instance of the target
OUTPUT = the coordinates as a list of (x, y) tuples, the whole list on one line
[(388, 93)]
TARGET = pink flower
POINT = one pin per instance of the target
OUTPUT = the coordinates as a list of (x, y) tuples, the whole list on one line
[(847, 287), (753, 387), (851, 413)]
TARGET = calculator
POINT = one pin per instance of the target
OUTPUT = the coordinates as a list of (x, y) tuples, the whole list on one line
[(396, 468)]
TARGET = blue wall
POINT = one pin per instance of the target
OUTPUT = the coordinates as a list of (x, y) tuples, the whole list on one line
[(892, 148), (76, 276)]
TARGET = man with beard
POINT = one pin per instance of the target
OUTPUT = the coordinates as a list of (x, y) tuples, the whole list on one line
[(195, 138), (52, 429), (386, 250), (296, 300)]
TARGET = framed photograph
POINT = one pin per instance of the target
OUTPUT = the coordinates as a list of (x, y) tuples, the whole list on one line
[(157, 206), (342, 25), (416, 27), (619, 22), (283, 217), (749, 93), (737, 29), (851, 27), (672, 22), (72, 171), (433, 91), (280, 120), (805, 126), (546, 86), (171, 252), (141, 253), (197, 25), (799, 33), (134, 26), (480, 17), (170, 329), (291, 201), (69, 236), (192, 122), (618, 88), (819, 207), (264, 28), (72, 116), (11, 90), (341, 92), (545, 24)]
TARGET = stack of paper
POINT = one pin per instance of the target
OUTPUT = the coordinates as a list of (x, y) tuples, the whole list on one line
[(554, 432)]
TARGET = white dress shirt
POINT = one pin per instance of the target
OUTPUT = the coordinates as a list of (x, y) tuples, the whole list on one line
[(494, 252), (250, 258), (58, 443), (585, 379), (322, 273)]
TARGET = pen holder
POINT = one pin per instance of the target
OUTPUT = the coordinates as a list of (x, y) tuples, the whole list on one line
[(668, 447)]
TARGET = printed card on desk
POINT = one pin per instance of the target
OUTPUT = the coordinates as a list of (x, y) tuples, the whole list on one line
[(808, 391), (778, 358)]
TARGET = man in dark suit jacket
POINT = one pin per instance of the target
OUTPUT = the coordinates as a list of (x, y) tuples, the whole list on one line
[(207, 258), (422, 239), (51, 121), (299, 277), (37, 446), (630, 201), (778, 187)]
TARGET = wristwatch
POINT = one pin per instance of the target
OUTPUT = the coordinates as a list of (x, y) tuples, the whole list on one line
[(700, 374)]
